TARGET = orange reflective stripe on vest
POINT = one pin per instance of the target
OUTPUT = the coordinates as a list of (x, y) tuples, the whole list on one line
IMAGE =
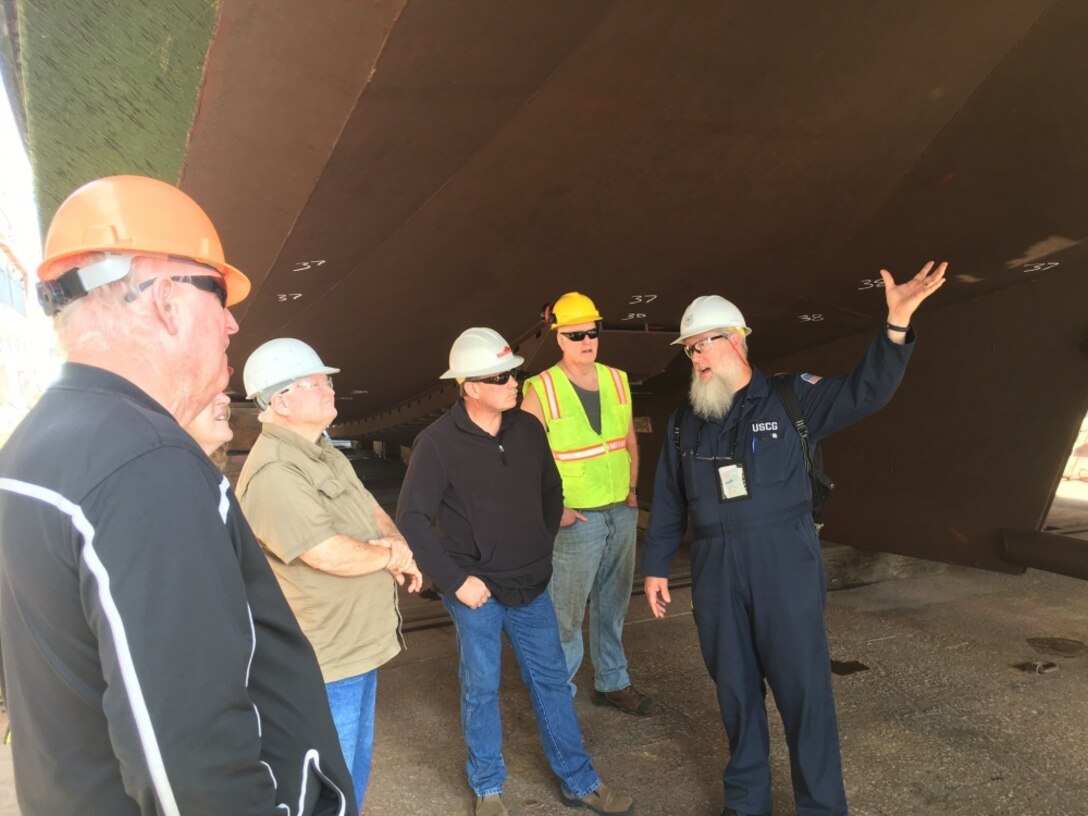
[(617, 381), (595, 466), (549, 391), (591, 451)]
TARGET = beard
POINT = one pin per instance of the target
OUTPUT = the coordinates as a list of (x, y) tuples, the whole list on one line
[(712, 399)]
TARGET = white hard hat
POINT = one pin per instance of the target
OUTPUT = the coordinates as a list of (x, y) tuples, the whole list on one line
[(707, 313), (276, 364), (478, 352)]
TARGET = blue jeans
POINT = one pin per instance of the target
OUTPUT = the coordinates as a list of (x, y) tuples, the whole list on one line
[(532, 632), (352, 703), (594, 561)]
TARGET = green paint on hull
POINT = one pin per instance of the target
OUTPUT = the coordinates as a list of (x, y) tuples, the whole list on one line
[(110, 87)]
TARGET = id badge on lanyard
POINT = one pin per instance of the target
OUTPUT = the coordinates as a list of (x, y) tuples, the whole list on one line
[(732, 481)]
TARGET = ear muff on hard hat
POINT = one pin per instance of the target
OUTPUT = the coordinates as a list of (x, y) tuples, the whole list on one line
[(571, 309), (547, 313), (479, 352), (708, 313), (128, 215), (276, 364)]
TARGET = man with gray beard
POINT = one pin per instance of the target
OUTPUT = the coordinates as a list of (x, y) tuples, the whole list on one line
[(712, 396), (758, 584)]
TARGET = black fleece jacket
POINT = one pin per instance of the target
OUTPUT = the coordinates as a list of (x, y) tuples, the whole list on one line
[(497, 501)]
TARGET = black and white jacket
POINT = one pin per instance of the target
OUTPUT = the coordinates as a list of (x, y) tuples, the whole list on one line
[(150, 662)]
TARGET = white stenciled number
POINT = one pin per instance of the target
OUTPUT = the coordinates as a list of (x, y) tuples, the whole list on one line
[(643, 299), (1040, 267), (810, 318), (283, 297), (871, 283), (305, 266), (635, 316)]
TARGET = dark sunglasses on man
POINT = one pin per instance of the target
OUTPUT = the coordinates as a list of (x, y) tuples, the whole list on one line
[(579, 336), (498, 379), (54, 295), (205, 283)]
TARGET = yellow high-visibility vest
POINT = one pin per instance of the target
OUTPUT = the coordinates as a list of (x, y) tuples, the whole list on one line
[(596, 467)]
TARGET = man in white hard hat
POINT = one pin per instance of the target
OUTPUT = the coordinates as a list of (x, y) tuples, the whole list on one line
[(337, 554), (484, 475), (585, 408), (150, 663), (735, 461)]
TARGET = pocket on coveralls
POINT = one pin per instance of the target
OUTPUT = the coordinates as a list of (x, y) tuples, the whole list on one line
[(769, 457)]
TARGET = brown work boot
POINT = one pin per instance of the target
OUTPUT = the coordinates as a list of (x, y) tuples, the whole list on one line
[(629, 700), (604, 800), (490, 805)]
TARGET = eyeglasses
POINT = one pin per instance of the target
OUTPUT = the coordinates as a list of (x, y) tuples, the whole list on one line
[(579, 336), (205, 283), (701, 346), (310, 385), (497, 379)]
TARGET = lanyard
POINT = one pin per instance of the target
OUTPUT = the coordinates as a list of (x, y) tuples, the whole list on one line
[(693, 453)]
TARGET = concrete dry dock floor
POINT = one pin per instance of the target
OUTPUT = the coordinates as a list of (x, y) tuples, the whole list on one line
[(938, 723)]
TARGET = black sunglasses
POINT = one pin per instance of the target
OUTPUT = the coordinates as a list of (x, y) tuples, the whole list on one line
[(205, 283), (579, 336), (497, 379)]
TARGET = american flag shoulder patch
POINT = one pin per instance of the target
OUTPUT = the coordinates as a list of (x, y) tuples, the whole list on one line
[(811, 379)]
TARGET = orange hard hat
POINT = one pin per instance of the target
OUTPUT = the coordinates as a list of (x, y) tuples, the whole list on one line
[(134, 215)]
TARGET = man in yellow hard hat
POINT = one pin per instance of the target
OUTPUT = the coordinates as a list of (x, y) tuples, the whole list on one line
[(150, 662), (586, 409)]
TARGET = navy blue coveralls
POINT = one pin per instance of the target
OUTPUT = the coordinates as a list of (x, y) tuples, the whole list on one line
[(758, 579)]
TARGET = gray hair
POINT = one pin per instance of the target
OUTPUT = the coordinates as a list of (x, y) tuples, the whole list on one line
[(263, 399), (90, 321), (729, 331)]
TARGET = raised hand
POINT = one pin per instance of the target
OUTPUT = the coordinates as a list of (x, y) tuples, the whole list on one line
[(904, 298)]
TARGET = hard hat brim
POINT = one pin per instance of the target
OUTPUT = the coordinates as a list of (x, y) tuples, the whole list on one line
[(679, 341), (282, 385), (508, 363), (238, 285), (574, 321)]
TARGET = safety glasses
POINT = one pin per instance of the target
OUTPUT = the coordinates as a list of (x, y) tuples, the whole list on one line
[(579, 336), (497, 379), (701, 346), (205, 283), (310, 385)]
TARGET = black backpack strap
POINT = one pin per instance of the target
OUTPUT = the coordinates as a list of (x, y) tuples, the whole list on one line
[(783, 388), (821, 484), (681, 415)]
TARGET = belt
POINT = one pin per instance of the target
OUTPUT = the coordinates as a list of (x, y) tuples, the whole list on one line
[(600, 509), (724, 527)]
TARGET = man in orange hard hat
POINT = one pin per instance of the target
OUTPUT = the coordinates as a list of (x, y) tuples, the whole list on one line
[(150, 662)]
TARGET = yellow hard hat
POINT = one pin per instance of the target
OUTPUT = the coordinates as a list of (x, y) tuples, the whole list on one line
[(571, 309)]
